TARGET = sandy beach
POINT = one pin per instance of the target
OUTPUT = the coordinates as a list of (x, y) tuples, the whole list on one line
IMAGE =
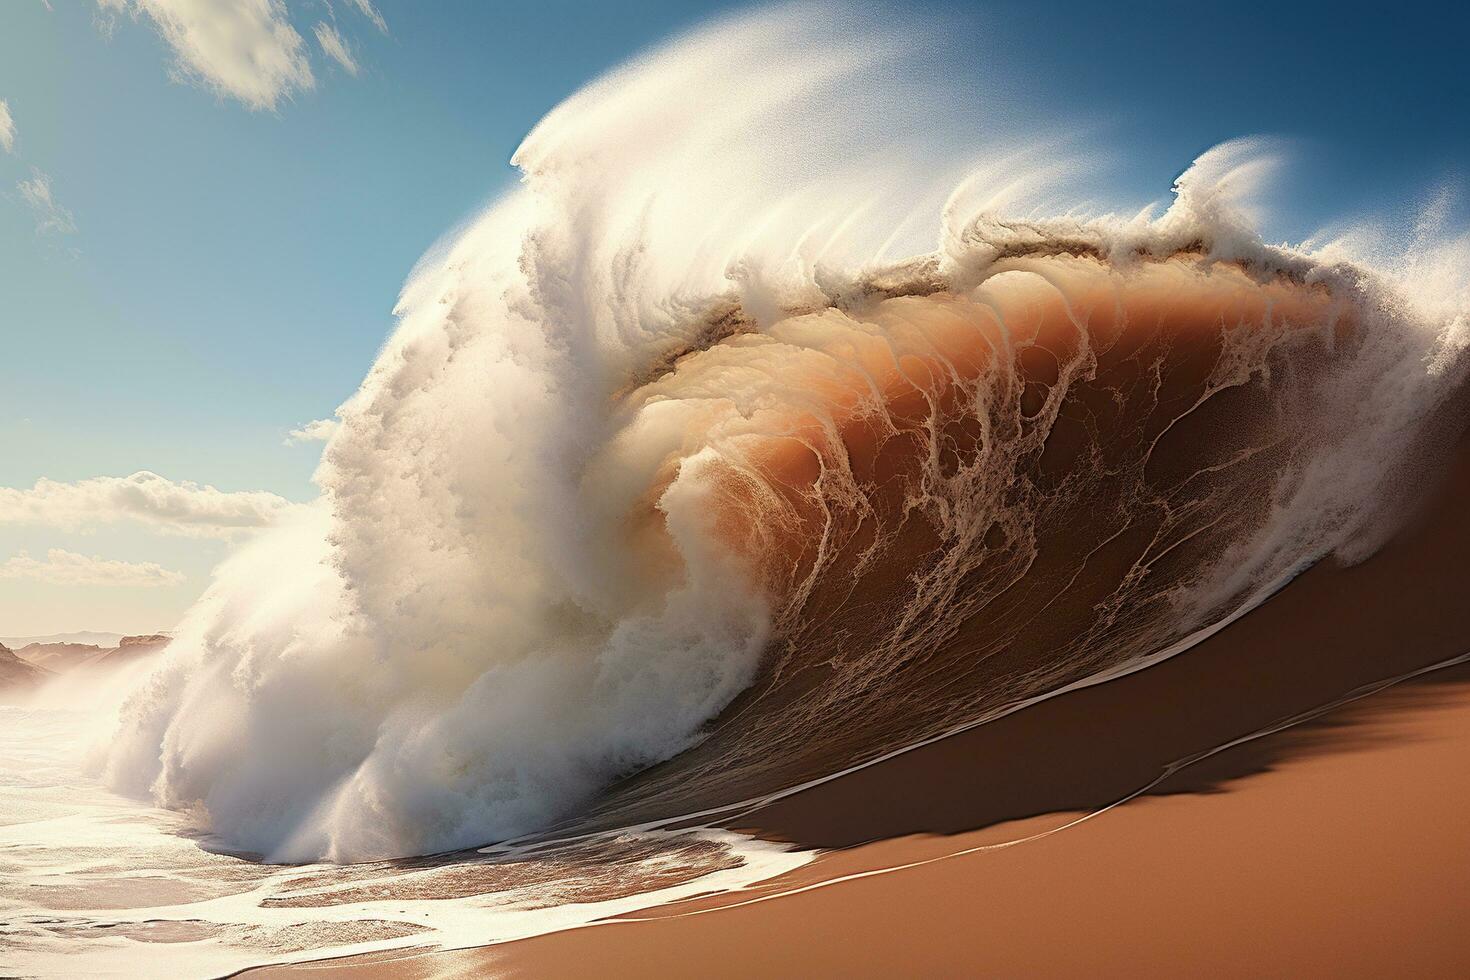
[(1334, 847)]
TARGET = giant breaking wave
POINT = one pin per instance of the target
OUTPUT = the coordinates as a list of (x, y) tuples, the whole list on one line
[(671, 463)]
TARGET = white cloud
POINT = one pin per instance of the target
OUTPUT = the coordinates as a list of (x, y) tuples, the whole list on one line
[(242, 49), (366, 8), (51, 218), (334, 47), (69, 568), (7, 127), (319, 430), (183, 508)]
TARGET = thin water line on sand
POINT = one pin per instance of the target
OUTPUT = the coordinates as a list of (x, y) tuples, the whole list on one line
[(1357, 694)]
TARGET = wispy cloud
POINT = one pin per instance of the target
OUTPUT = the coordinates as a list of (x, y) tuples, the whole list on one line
[(319, 430), (241, 49), (7, 127), (51, 218), (69, 568), (366, 8), (183, 508), (334, 47), (245, 50)]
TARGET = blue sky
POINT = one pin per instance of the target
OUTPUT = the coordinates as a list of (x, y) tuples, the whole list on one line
[(216, 272)]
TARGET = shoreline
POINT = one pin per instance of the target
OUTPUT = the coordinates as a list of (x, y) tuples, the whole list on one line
[(1343, 860), (1355, 810), (1308, 855)]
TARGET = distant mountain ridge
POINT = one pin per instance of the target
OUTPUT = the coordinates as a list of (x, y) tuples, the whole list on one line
[(131, 647), (15, 672), (34, 661), (88, 637), (58, 657)]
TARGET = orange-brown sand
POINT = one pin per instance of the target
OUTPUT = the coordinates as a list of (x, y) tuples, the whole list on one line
[(1338, 847)]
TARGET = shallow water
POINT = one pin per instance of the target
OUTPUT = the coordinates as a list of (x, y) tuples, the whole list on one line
[(93, 884)]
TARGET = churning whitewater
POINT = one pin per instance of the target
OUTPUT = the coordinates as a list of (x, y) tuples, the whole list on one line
[(769, 425)]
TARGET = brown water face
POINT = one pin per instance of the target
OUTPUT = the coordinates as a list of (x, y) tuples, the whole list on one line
[(960, 501)]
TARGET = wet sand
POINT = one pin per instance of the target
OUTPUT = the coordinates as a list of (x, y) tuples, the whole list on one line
[(1337, 847), (1350, 863)]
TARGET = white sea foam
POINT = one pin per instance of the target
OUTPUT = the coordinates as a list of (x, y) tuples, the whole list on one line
[(99, 886)]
